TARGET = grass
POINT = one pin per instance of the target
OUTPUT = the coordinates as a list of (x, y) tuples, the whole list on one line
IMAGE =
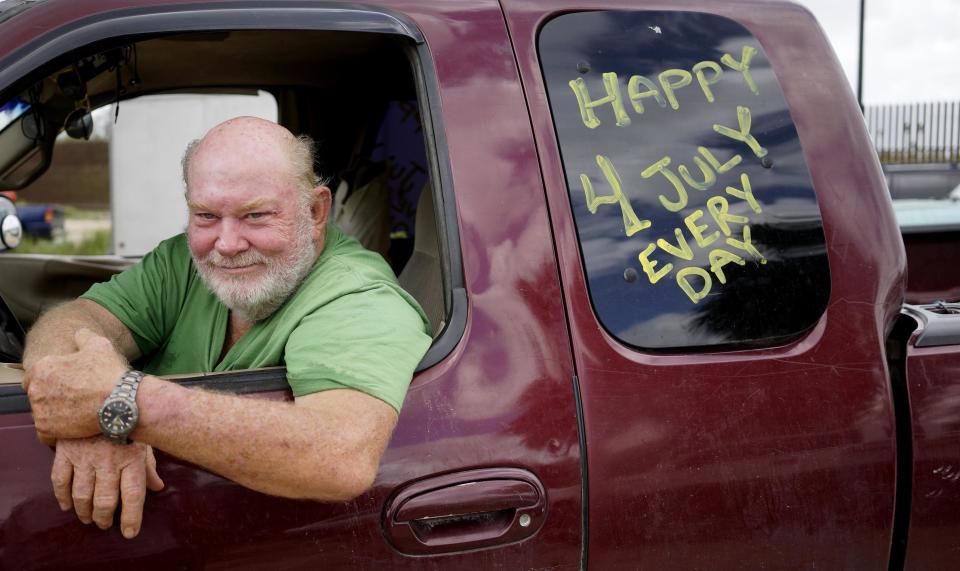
[(75, 213), (99, 243)]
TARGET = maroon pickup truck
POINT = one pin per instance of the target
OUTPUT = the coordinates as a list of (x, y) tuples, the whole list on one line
[(656, 245)]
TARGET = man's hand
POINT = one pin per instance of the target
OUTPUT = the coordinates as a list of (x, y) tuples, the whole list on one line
[(66, 391), (91, 474)]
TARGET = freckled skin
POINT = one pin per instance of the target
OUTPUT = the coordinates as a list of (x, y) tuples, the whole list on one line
[(238, 163), (325, 446)]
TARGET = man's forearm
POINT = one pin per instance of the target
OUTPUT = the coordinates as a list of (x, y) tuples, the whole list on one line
[(53, 334), (274, 447), (326, 447)]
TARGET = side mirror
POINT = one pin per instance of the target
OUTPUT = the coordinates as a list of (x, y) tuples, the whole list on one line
[(11, 230), (26, 145)]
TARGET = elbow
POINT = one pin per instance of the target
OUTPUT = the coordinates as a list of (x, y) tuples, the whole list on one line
[(344, 466), (349, 489), (351, 479)]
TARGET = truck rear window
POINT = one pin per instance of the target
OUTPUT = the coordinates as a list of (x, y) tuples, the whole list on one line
[(694, 207)]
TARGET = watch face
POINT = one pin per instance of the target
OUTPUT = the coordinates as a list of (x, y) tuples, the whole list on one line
[(117, 417)]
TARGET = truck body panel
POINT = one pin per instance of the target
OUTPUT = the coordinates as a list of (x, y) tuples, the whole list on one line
[(831, 447), (774, 458), (931, 387)]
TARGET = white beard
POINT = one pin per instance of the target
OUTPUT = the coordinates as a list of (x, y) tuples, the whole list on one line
[(256, 298)]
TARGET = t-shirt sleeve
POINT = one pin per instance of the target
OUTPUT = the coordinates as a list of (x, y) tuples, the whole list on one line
[(147, 296), (369, 340)]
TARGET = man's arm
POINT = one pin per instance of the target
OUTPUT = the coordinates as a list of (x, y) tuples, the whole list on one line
[(53, 334), (326, 447), (91, 475)]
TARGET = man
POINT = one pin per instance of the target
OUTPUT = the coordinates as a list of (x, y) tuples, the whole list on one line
[(259, 279)]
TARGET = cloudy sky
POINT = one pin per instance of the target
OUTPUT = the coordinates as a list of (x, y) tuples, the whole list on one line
[(911, 48)]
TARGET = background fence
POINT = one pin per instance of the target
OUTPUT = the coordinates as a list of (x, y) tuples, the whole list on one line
[(915, 133)]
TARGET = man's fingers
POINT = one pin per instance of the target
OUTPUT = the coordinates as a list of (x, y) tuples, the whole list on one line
[(62, 477), (133, 492), (83, 483), (153, 478), (105, 496)]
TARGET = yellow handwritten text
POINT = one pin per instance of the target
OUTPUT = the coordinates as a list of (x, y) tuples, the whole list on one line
[(709, 167), (742, 133), (704, 227), (664, 90), (587, 105), (631, 222), (721, 238), (649, 266), (683, 280), (717, 257)]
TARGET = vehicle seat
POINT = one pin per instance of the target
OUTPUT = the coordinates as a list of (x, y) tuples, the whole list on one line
[(421, 276), (364, 213)]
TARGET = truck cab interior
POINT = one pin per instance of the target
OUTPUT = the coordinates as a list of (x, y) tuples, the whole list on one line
[(338, 87)]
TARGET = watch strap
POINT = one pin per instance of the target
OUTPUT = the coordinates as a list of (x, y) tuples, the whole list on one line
[(128, 385)]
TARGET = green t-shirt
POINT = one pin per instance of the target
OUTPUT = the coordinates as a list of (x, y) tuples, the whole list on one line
[(348, 325)]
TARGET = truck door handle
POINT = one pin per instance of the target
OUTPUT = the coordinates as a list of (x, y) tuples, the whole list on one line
[(465, 510)]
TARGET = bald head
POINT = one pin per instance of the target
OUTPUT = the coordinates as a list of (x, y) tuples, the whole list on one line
[(253, 145), (257, 218)]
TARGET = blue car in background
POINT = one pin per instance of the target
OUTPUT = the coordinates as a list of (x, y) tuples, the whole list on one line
[(41, 220), (35, 220)]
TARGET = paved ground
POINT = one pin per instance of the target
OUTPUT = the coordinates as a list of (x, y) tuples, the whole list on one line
[(78, 230)]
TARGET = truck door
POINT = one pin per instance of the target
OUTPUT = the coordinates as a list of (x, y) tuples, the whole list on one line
[(483, 471), (731, 268), (930, 394)]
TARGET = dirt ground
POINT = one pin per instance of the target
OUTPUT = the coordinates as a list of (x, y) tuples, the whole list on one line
[(78, 230)]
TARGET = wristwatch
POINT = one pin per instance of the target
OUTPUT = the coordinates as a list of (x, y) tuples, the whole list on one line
[(119, 413)]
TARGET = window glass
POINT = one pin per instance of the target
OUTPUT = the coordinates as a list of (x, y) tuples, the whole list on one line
[(11, 110), (694, 207)]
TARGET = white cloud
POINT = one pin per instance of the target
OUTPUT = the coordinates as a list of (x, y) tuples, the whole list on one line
[(910, 48)]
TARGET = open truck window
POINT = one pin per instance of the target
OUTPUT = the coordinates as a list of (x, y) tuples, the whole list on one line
[(355, 93), (695, 211)]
